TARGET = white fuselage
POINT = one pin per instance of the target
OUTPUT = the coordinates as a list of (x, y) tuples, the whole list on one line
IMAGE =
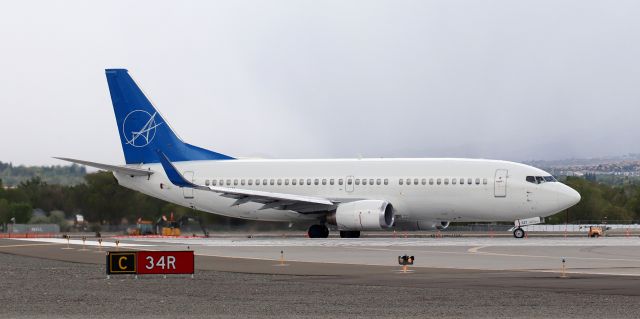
[(498, 190)]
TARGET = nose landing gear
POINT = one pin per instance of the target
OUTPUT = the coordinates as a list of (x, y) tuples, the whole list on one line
[(518, 233)]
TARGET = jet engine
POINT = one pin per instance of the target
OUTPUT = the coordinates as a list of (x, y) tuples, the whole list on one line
[(421, 225), (363, 215)]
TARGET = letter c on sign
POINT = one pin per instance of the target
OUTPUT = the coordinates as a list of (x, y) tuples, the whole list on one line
[(122, 267)]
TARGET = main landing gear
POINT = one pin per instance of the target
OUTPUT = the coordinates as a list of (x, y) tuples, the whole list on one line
[(518, 233), (318, 231), (321, 231), (350, 234)]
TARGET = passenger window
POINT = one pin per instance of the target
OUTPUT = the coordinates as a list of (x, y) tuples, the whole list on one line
[(454, 181), (331, 181), (424, 181), (235, 182), (214, 182), (477, 181), (228, 182), (242, 182), (301, 181), (264, 182), (371, 181), (408, 181), (206, 182), (221, 182), (349, 181), (430, 181), (386, 181), (308, 181), (294, 181), (415, 181), (484, 181), (357, 181), (340, 181), (315, 181), (469, 181), (272, 181), (286, 181), (378, 181), (462, 181), (401, 181), (439, 181), (250, 182), (324, 181), (446, 181), (364, 181)]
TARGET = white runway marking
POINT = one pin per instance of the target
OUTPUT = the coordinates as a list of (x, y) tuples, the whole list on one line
[(79, 242), (399, 242), (475, 249)]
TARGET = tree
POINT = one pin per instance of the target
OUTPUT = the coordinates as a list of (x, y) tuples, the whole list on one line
[(4, 211), (21, 211)]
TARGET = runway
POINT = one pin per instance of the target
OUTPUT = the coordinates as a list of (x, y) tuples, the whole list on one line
[(243, 277), (596, 256)]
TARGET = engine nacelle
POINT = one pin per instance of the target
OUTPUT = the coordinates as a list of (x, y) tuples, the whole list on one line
[(363, 215), (421, 225)]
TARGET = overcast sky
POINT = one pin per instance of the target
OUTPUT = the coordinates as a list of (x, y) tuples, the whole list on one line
[(516, 80)]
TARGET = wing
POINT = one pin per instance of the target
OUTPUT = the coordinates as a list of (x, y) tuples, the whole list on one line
[(113, 168), (270, 200)]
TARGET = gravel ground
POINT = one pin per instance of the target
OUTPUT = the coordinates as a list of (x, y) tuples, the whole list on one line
[(39, 288)]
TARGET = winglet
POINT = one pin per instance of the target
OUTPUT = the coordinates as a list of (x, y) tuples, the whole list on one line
[(174, 176)]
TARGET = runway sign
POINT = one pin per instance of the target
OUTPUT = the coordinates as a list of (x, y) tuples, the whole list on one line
[(165, 262), (121, 263), (150, 262)]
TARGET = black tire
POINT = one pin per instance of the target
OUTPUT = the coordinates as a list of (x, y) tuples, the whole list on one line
[(318, 231), (349, 234), (518, 233)]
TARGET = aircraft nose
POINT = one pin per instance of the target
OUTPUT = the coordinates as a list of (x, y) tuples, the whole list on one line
[(568, 196)]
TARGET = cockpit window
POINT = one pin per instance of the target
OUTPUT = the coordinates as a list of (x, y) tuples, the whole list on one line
[(541, 179)]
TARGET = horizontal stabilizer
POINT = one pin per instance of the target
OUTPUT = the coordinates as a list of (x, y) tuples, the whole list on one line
[(113, 168)]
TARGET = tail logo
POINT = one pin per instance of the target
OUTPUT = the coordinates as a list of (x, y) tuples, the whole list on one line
[(139, 128)]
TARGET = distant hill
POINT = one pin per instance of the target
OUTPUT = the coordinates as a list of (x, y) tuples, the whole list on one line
[(61, 175), (584, 161)]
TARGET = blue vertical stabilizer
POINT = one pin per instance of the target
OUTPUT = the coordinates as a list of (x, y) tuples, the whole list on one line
[(143, 131)]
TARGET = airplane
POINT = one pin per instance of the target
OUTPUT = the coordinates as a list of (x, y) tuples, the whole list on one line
[(351, 195)]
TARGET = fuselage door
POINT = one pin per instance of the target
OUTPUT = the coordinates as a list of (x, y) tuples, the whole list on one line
[(500, 183), (188, 191), (349, 186)]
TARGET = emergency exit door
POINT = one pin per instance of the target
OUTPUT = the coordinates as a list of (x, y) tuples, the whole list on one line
[(500, 183), (349, 184)]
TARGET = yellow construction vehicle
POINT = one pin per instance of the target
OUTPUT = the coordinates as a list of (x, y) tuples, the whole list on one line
[(143, 227), (595, 231), (164, 226), (168, 227)]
